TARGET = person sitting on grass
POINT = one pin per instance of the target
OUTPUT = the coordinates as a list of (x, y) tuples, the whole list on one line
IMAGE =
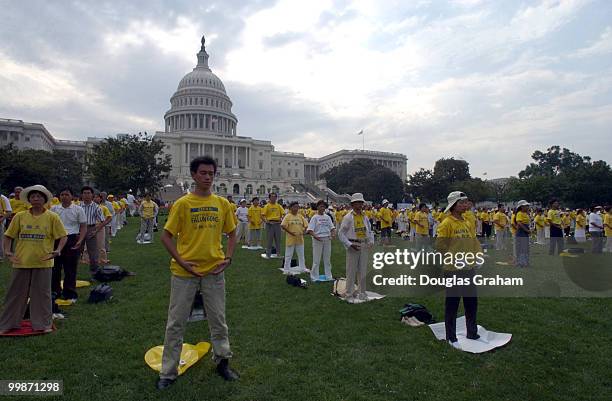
[(294, 224), (34, 233)]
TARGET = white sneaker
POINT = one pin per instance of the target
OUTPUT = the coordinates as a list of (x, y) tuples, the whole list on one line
[(455, 345), (58, 316)]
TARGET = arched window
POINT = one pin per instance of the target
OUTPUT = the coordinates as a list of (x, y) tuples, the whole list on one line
[(249, 189), (222, 188), (261, 190), (236, 189)]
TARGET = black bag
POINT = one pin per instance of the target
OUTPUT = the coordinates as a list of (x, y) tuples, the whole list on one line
[(418, 311), (108, 273), (100, 293), (296, 281)]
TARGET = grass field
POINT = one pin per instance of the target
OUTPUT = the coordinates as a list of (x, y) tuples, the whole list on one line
[(294, 344)]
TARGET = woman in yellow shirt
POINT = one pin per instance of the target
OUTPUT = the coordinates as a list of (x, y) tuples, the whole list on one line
[(456, 236), (580, 230), (39, 236), (540, 224), (607, 220), (521, 242), (294, 224)]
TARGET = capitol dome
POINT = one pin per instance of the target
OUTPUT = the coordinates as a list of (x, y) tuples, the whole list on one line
[(200, 102)]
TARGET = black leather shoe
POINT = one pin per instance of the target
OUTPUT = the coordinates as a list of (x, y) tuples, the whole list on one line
[(226, 372), (164, 383), (473, 336)]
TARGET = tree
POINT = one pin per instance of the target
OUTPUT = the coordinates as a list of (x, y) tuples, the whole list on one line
[(55, 170), (422, 185), (448, 174), (568, 176), (129, 162), (363, 175), (477, 189)]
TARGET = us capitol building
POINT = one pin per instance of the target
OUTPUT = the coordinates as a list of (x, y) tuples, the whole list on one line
[(200, 121)]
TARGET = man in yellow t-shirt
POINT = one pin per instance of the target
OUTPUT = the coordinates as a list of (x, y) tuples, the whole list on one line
[(500, 221), (556, 228), (294, 224), (18, 205), (272, 214), (255, 223), (421, 221), (34, 233), (198, 221), (148, 211), (386, 220)]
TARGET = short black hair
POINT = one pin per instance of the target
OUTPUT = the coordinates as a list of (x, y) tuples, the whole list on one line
[(553, 200), (321, 201), (254, 199), (87, 188), (66, 189), (293, 204), (272, 193), (195, 163), (421, 205)]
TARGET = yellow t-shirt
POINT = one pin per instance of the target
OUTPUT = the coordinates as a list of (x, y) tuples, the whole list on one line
[(18, 205), (254, 215), (471, 218), (580, 221), (35, 237), (422, 219), (295, 224), (55, 201), (554, 216), (198, 223), (116, 206), (484, 217), (273, 212), (540, 221), (500, 219), (148, 209), (456, 236), (608, 230), (359, 226), (565, 220), (522, 217), (386, 217), (105, 212)]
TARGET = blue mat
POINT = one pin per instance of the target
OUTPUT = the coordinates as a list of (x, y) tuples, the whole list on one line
[(322, 278)]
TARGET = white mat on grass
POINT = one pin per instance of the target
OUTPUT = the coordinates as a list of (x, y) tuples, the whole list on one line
[(488, 339), (371, 296), (294, 271)]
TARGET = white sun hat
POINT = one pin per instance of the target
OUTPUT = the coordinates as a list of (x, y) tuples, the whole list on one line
[(522, 203), (453, 198), (357, 197), (23, 196)]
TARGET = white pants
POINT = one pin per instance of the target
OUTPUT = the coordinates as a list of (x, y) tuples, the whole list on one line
[(242, 230), (580, 235), (356, 267), (541, 236), (608, 247), (299, 249), (546, 232), (321, 248), (114, 225), (500, 238)]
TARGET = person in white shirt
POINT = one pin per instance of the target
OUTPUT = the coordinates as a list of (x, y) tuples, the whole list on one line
[(242, 213), (131, 201), (5, 212), (356, 235), (75, 222), (322, 229), (596, 229)]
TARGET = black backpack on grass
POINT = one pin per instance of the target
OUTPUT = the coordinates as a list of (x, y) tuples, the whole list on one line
[(100, 293), (418, 311), (108, 273)]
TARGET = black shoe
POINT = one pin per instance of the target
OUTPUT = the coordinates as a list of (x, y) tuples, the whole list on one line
[(164, 383), (226, 372), (474, 337)]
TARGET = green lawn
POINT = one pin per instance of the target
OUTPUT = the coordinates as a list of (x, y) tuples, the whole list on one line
[(294, 344)]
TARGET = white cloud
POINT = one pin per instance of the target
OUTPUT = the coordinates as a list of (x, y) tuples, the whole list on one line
[(600, 47)]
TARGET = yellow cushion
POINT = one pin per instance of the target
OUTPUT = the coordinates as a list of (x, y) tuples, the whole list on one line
[(189, 356)]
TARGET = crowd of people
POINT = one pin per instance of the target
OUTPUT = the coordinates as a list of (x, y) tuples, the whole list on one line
[(45, 237)]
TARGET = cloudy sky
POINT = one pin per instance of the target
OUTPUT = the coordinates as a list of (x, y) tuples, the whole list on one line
[(487, 81)]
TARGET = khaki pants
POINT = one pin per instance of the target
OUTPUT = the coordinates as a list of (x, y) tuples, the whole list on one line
[(356, 265), (101, 241), (182, 292), (36, 284), (146, 227), (242, 231), (322, 247)]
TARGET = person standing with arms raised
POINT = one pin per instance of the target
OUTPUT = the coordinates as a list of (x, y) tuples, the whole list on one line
[(198, 221)]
